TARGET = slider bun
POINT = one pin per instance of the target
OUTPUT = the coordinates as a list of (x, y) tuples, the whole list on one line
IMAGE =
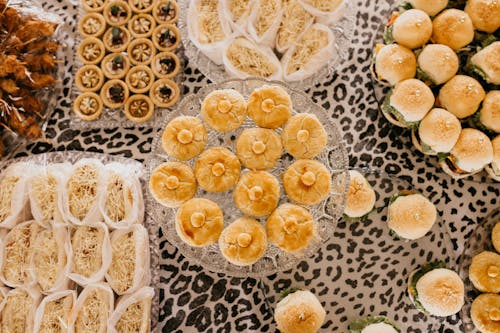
[(360, 196), (439, 62), (439, 130), (488, 61), (411, 216), (379, 328), (489, 115), (453, 28), (395, 63), (441, 292), (495, 236), (299, 312), (413, 28), (485, 14), (473, 150), (412, 99), (485, 313), (431, 7), (484, 272), (462, 96), (494, 168)]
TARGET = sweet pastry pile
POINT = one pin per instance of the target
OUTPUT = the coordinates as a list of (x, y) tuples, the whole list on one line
[(287, 40), (484, 273), (247, 170), (66, 227), (441, 62), (127, 51)]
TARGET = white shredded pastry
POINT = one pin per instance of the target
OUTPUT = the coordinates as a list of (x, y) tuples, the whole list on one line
[(44, 193), (86, 244), (247, 58), (18, 311), (123, 265), (93, 314), (323, 5), (55, 316), (132, 313), (210, 28), (132, 318), (267, 13), (294, 22), (116, 196), (7, 186), (82, 190), (316, 40), (237, 8)]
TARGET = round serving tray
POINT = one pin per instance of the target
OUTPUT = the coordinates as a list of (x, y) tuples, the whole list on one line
[(343, 30), (326, 213), (479, 241), (364, 270)]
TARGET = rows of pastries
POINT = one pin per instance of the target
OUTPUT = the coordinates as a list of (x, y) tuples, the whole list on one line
[(74, 253)]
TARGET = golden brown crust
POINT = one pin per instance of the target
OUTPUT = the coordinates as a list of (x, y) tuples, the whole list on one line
[(162, 15), (114, 94), (92, 25), (395, 63), (164, 93), (257, 193), (118, 44), (217, 169), (412, 29), (141, 6), (199, 222), (452, 28), (166, 37), (259, 148), (485, 14), (291, 227), (89, 78), (304, 136), (184, 138), (115, 66), (484, 272), (117, 12), (141, 25), (307, 182), (88, 106), (93, 5), (224, 110), (139, 108), (140, 79), (141, 51), (360, 196), (269, 106), (485, 313), (172, 183), (165, 65), (462, 96), (495, 236), (91, 51), (243, 242)]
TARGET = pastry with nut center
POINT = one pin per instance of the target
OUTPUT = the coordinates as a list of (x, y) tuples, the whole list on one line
[(115, 66), (89, 78), (165, 65), (91, 51), (217, 169), (484, 272), (304, 136), (259, 148), (140, 79), (139, 108), (485, 313), (141, 51), (257, 193), (92, 25), (164, 93), (117, 13), (116, 39), (184, 138), (88, 106), (114, 94), (269, 106), (224, 110), (307, 182), (166, 11), (166, 37), (141, 25), (172, 183)]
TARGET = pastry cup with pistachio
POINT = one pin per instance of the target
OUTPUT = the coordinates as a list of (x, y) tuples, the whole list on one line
[(166, 37), (114, 93), (117, 12), (166, 65), (166, 11), (116, 39), (164, 93), (115, 66), (141, 6)]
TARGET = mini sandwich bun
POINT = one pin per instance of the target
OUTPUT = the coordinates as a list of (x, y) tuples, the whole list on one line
[(439, 130), (412, 99), (472, 152), (485, 313), (462, 96), (439, 62), (431, 7), (411, 216), (360, 196), (395, 63), (441, 292), (299, 312), (485, 14), (489, 115), (412, 29), (494, 168), (453, 27), (487, 61)]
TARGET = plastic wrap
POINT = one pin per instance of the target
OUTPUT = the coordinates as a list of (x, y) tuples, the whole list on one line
[(19, 308), (14, 207), (54, 311), (141, 298)]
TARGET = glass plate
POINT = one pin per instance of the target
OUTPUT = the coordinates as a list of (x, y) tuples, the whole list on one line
[(363, 270), (479, 241), (149, 224), (342, 29), (326, 213)]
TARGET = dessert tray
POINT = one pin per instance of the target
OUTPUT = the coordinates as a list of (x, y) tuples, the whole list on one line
[(325, 213), (137, 170), (363, 271), (479, 241)]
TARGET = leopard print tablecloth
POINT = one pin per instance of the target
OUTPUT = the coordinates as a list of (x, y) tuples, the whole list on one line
[(195, 300)]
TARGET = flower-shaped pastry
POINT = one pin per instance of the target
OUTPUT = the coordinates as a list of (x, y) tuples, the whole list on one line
[(89, 78), (92, 25), (141, 6), (304, 136), (224, 110), (257, 193), (217, 169), (259, 148), (184, 138), (141, 51), (140, 79), (307, 182), (269, 106), (172, 183), (141, 26), (91, 51)]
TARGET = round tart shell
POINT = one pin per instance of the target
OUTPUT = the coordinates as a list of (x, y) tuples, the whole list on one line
[(171, 28), (175, 93), (96, 16), (77, 102), (107, 13), (157, 7), (135, 69), (109, 103), (136, 42), (87, 8), (81, 71), (116, 48), (136, 34), (96, 42), (147, 116), (123, 72), (143, 10), (155, 64)]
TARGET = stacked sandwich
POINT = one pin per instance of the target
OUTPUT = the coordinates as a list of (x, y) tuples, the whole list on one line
[(66, 227), (442, 66)]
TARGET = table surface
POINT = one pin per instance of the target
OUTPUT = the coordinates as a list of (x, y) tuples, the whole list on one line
[(195, 300)]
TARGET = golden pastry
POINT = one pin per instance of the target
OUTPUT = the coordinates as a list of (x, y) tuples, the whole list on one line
[(184, 138), (166, 37), (141, 51), (217, 169), (139, 108), (269, 106), (259, 148), (165, 65), (172, 183), (89, 78), (224, 110), (141, 6), (115, 66), (116, 39), (484, 272), (307, 182), (495, 237), (166, 11), (141, 26), (117, 12), (88, 106), (485, 313), (199, 222), (93, 5), (304, 136), (114, 93), (243, 242), (91, 51), (291, 227), (164, 93), (92, 25), (140, 79), (257, 193)]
